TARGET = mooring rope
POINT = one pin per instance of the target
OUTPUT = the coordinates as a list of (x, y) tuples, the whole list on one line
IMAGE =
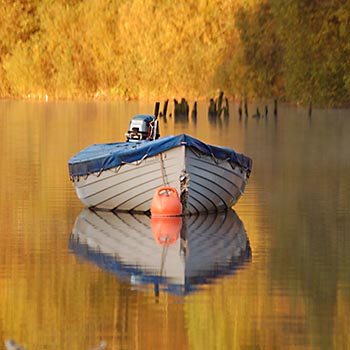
[(164, 177)]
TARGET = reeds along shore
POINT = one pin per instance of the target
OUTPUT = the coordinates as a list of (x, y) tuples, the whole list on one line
[(144, 49)]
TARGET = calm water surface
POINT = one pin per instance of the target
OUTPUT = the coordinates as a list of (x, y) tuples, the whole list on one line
[(277, 278)]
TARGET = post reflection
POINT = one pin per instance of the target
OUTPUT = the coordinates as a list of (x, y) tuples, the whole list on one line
[(175, 255)]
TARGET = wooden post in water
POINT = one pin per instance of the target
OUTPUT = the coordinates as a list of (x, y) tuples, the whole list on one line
[(156, 109), (257, 114), (226, 110), (194, 111), (184, 107), (275, 107), (310, 108), (240, 109), (216, 106), (219, 103), (245, 107), (181, 110), (212, 108), (165, 108)]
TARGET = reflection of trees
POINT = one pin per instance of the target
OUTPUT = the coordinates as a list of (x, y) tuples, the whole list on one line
[(296, 214), (47, 298), (295, 208), (311, 213)]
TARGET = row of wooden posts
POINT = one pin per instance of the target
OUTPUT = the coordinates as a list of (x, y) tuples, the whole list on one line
[(217, 108), (258, 113)]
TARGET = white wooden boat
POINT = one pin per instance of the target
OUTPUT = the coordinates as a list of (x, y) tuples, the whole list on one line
[(124, 176), (202, 247)]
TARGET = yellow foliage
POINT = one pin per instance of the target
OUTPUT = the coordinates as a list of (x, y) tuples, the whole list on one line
[(113, 48), (155, 49)]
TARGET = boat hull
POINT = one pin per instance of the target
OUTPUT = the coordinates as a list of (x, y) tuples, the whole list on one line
[(205, 184)]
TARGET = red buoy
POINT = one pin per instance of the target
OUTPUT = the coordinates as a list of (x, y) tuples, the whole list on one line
[(166, 202), (166, 230)]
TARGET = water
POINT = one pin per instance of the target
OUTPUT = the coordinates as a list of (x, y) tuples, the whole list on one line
[(287, 289)]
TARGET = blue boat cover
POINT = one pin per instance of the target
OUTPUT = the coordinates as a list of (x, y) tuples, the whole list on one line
[(99, 157)]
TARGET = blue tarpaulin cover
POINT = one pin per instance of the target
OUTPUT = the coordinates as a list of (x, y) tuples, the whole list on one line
[(98, 157)]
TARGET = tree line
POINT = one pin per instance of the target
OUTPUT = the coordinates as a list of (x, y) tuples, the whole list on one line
[(294, 50)]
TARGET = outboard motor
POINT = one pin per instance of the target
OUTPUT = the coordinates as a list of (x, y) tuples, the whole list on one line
[(142, 127)]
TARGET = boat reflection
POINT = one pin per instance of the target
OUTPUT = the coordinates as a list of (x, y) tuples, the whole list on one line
[(177, 255)]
